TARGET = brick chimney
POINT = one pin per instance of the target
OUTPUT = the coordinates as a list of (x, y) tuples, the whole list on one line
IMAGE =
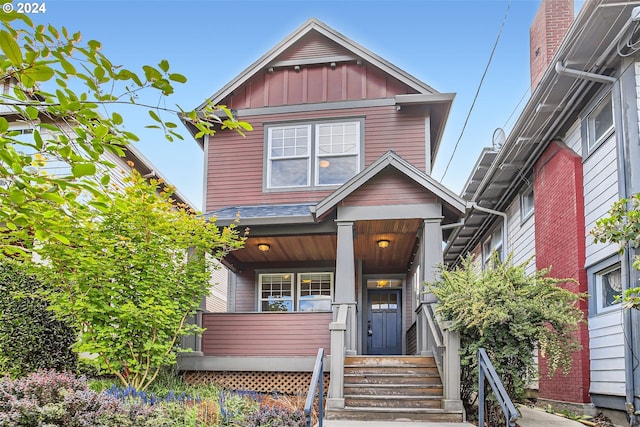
[(549, 27)]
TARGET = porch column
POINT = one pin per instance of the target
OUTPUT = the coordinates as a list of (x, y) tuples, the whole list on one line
[(431, 240), (345, 289), (431, 253)]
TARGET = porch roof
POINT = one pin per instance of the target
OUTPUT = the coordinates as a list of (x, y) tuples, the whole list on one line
[(265, 214)]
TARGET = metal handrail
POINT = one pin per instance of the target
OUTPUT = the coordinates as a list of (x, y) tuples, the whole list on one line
[(317, 382), (488, 371)]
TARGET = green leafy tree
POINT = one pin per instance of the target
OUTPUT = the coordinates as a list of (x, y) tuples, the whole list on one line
[(66, 91), (131, 275), (622, 226), (509, 313)]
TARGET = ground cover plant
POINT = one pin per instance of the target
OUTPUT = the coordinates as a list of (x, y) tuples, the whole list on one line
[(61, 399)]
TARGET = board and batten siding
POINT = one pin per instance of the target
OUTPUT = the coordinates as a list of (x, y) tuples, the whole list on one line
[(265, 334), (235, 164), (315, 84)]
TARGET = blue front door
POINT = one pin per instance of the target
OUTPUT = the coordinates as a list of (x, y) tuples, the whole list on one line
[(384, 324)]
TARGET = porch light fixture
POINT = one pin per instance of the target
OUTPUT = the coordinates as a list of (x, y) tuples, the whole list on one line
[(263, 247), (383, 243), (382, 283), (324, 163)]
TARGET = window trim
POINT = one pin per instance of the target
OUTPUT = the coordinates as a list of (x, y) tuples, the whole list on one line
[(602, 267), (296, 275), (589, 145), (524, 216), (493, 243), (313, 153)]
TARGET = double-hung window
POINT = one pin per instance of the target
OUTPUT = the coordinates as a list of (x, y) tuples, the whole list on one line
[(312, 155), (311, 291), (492, 244), (526, 204), (599, 124)]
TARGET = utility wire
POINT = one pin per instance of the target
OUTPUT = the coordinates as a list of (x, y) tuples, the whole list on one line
[(475, 98)]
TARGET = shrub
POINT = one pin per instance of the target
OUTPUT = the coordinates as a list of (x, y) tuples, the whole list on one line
[(30, 337), (508, 312)]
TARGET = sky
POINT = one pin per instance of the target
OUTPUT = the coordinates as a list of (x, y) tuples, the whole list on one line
[(444, 43)]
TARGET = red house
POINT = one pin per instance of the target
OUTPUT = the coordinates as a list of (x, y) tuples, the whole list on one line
[(346, 224)]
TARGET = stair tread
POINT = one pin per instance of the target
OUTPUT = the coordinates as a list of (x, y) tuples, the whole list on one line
[(391, 397), (396, 410), (416, 385)]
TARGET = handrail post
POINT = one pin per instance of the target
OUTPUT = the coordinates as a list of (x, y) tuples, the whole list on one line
[(317, 382), (335, 398), (451, 368), (486, 370)]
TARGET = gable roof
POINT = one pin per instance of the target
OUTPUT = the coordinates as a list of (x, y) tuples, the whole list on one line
[(315, 25), (391, 159)]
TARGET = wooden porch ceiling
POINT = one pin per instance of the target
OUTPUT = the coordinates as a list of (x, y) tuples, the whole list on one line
[(312, 249)]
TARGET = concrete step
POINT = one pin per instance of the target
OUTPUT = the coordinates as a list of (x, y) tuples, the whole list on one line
[(395, 414)]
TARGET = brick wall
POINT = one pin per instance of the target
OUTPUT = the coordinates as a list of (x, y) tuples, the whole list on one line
[(560, 244), (553, 19)]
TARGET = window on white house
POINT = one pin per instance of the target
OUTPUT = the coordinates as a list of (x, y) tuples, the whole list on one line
[(608, 286), (311, 291), (305, 155), (599, 124), (492, 244), (526, 204)]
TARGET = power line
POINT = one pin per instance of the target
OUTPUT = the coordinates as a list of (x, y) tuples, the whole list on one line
[(475, 98)]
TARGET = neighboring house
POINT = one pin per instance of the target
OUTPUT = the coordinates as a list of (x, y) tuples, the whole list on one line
[(345, 222), (573, 152)]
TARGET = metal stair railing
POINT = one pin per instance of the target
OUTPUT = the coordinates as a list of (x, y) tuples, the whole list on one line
[(488, 371), (317, 384)]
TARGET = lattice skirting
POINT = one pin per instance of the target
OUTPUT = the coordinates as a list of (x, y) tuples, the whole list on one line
[(290, 383)]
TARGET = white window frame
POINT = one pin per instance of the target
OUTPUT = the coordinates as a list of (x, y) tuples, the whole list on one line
[(295, 279), (313, 157), (318, 156), (594, 142), (299, 289), (492, 243), (271, 158), (526, 204), (598, 276), (261, 299)]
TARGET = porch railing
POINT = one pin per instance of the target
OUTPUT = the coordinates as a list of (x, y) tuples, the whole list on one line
[(317, 385), (343, 342), (436, 338), (488, 371)]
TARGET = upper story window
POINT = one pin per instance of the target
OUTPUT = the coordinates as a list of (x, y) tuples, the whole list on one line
[(599, 124), (492, 244), (526, 204), (312, 155)]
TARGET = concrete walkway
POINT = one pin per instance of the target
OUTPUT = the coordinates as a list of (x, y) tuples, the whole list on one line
[(530, 418)]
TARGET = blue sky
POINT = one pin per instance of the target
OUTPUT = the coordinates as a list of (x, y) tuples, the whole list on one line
[(444, 43)]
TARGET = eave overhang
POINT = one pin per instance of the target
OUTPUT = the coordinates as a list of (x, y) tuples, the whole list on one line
[(589, 46)]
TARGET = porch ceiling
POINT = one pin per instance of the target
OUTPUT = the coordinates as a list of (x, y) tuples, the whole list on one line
[(313, 249)]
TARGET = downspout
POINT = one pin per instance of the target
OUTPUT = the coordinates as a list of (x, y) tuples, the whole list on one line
[(474, 205)]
